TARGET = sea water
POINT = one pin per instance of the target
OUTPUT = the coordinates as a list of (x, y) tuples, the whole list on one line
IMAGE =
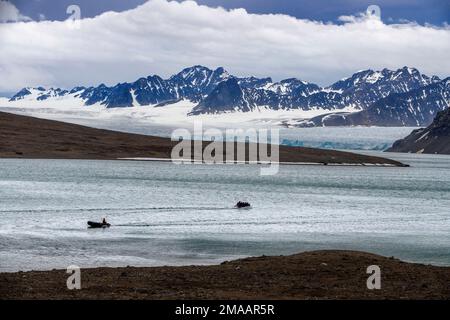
[(167, 214)]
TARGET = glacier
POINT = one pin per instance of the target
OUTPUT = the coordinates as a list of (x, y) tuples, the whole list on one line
[(161, 121)]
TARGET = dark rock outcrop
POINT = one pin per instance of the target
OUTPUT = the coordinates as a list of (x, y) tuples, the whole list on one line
[(433, 139)]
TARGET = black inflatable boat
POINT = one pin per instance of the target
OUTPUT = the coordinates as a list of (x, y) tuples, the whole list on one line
[(242, 204), (92, 224)]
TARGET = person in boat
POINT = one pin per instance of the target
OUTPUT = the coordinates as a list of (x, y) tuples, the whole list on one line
[(104, 221)]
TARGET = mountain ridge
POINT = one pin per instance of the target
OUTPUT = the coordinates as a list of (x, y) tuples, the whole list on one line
[(217, 91), (417, 107)]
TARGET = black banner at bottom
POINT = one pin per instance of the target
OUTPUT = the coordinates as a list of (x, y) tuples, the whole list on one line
[(217, 309)]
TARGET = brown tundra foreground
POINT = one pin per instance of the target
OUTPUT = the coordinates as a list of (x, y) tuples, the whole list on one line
[(308, 275)]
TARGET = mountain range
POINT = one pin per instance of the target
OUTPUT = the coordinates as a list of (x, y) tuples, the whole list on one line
[(403, 97)]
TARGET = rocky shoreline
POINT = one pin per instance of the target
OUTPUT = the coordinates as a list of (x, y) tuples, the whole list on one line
[(308, 275)]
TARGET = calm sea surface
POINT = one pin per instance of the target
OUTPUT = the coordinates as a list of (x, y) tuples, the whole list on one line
[(166, 214)]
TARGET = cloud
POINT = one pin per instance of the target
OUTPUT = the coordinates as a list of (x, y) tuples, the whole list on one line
[(161, 37), (9, 13)]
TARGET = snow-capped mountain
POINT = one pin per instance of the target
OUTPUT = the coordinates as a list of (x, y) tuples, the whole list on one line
[(359, 92), (192, 84), (386, 97), (416, 107), (366, 87), (227, 96)]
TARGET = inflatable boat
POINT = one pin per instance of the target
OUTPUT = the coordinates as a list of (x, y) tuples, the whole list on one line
[(92, 224), (242, 204)]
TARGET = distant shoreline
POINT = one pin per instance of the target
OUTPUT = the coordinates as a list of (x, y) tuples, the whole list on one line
[(220, 163), (26, 137), (326, 274), (262, 163)]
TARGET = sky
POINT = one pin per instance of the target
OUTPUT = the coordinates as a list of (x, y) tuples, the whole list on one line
[(117, 40), (434, 12)]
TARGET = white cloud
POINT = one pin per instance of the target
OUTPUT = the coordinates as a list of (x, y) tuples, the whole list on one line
[(162, 37), (9, 13)]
